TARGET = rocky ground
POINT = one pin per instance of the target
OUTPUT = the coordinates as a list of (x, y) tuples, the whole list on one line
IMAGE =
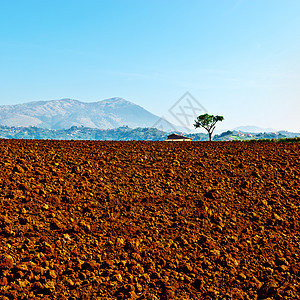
[(149, 220)]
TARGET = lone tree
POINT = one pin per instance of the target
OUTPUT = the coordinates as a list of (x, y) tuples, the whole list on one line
[(208, 122)]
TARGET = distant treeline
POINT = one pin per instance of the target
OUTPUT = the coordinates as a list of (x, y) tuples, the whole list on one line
[(282, 140), (83, 133), (127, 134)]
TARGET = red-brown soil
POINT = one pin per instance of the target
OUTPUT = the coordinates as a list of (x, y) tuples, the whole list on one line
[(149, 220)]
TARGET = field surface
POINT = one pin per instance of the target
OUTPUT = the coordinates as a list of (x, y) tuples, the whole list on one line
[(149, 220)]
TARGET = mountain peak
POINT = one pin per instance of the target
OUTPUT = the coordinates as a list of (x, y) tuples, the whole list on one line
[(116, 100), (65, 113), (66, 100)]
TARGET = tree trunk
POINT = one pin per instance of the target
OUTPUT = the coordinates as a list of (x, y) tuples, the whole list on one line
[(209, 135)]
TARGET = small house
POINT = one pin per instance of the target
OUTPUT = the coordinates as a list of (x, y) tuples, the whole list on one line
[(177, 138)]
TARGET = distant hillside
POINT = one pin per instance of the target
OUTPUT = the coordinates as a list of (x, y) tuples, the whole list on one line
[(65, 113), (83, 133), (127, 134)]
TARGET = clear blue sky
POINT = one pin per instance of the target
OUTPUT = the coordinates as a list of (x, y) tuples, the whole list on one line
[(238, 58)]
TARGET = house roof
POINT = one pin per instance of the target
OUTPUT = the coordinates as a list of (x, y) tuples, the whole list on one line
[(177, 137)]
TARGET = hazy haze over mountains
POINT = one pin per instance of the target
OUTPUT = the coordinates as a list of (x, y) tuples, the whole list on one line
[(65, 113), (254, 129)]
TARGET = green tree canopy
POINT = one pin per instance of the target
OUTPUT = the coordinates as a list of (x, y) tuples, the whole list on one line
[(208, 122)]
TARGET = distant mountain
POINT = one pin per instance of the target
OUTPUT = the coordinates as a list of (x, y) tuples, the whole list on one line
[(253, 129), (65, 113)]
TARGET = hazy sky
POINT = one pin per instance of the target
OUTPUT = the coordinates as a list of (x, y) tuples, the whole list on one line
[(238, 58)]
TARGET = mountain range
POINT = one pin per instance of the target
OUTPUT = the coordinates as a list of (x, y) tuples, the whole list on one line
[(106, 114), (65, 113)]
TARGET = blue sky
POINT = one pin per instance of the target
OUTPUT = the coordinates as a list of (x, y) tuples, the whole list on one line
[(238, 58)]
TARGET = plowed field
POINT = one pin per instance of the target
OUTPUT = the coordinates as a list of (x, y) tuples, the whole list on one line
[(149, 220)]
